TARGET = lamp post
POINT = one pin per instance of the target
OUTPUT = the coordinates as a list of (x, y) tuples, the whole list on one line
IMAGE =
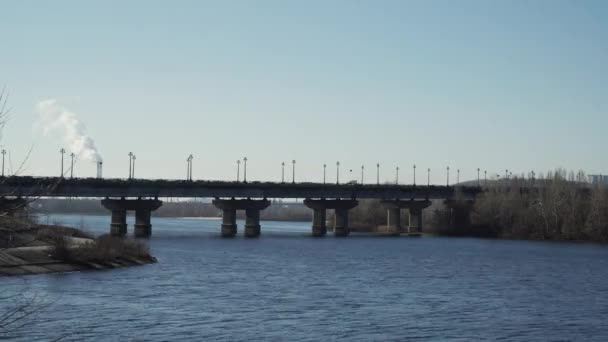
[(293, 171), (458, 176), (414, 174), (245, 170), (448, 176), (130, 163), (397, 175), (478, 181), (428, 177), (282, 172), (189, 166), (485, 178), (3, 153), (238, 170), (362, 167), (72, 165), (337, 172), (377, 173), (324, 172), (62, 151), (133, 175)]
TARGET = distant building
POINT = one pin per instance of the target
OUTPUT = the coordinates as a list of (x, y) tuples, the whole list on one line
[(598, 179)]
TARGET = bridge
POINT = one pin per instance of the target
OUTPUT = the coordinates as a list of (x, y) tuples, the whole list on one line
[(142, 196)]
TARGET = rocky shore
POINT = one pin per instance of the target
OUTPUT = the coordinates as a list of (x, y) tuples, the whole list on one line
[(39, 249)]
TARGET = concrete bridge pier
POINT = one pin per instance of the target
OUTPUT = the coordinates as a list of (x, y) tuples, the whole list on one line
[(393, 215), (252, 223), (229, 228), (143, 209), (252, 215), (143, 226), (118, 226), (460, 213), (416, 207), (320, 207)]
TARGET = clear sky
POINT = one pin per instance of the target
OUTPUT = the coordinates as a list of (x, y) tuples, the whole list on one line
[(521, 85)]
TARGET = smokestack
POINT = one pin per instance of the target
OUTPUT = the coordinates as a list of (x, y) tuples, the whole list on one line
[(99, 169)]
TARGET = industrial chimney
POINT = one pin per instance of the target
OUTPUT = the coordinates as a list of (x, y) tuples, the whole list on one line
[(99, 169)]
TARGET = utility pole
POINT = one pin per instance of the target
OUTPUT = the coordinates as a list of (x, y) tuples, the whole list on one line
[(282, 172), (458, 176), (62, 151), (478, 180), (293, 171), (72, 167), (428, 177), (324, 172), (414, 174), (485, 178), (377, 173)]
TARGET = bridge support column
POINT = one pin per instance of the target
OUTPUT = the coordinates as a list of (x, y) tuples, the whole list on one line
[(143, 228), (252, 223), (460, 213), (416, 207), (118, 227), (142, 208), (394, 221), (320, 207), (319, 228), (229, 227), (252, 215)]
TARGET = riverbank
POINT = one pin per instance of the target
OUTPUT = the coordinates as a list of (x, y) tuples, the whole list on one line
[(37, 249)]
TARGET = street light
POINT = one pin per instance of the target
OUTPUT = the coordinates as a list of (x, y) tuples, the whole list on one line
[(72, 167), (448, 178), (62, 151), (282, 172), (478, 181), (414, 174), (428, 177), (189, 167), (397, 175), (458, 176), (324, 171), (362, 167), (245, 170), (133, 176), (238, 170), (337, 172), (130, 163), (377, 173), (293, 171), (3, 153), (485, 178)]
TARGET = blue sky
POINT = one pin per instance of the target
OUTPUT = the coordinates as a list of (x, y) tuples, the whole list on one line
[(491, 84)]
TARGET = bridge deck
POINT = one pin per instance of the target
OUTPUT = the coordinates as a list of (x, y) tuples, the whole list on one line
[(94, 187)]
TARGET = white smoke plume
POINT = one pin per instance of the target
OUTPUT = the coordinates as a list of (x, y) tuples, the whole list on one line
[(56, 118)]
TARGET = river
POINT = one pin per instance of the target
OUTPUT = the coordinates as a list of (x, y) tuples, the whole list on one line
[(288, 286)]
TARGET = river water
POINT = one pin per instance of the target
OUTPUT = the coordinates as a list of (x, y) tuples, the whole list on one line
[(287, 286)]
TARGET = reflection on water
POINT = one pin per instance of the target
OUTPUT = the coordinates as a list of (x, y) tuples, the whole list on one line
[(289, 286)]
